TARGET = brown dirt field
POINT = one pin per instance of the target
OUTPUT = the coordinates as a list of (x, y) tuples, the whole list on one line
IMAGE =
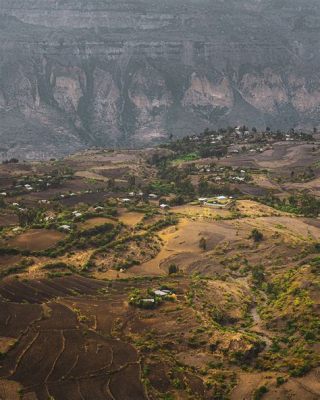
[(8, 220), (9, 390), (15, 318), (313, 186), (27, 370), (251, 190), (201, 212), (284, 155), (61, 344), (18, 291), (133, 390), (158, 377), (181, 245), (90, 175), (77, 259), (248, 383), (254, 209), (296, 229), (264, 182), (36, 239), (87, 198), (139, 250), (112, 172), (97, 221), (306, 388), (105, 312), (96, 388), (130, 218), (9, 260), (93, 353), (66, 390)]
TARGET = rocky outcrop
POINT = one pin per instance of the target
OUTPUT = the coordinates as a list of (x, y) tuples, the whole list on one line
[(76, 74)]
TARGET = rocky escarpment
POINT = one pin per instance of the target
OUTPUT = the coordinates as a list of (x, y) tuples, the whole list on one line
[(75, 74)]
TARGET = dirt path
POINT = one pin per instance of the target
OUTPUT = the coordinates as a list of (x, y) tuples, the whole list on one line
[(258, 327)]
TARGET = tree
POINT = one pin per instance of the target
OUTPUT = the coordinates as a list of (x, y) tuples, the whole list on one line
[(203, 187), (256, 235), (203, 244), (258, 275), (111, 183), (131, 181), (29, 216), (173, 269)]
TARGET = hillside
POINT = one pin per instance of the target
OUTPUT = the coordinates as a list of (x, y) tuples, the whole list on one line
[(77, 74), (171, 273)]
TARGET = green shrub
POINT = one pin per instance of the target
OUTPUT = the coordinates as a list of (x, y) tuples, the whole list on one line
[(260, 392), (256, 235), (173, 269)]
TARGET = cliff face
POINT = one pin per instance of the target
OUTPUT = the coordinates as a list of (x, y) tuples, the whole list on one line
[(77, 73)]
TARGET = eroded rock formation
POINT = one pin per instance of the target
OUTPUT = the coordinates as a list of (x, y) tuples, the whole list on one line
[(75, 73)]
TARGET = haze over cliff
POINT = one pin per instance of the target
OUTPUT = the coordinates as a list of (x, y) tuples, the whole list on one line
[(78, 73)]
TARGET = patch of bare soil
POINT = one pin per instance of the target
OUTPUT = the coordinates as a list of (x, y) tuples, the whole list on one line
[(130, 218), (36, 239), (8, 220), (93, 222)]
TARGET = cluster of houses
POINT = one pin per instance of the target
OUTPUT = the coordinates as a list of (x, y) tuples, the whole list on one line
[(224, 174), (155, 298), (217, 202), (150, 196)]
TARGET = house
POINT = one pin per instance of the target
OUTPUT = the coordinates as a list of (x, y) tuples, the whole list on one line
[(153, 196), (126, 200), (99, 208), (148, 300), (164, 206), (3, 194), (162, 293), (65, 227)]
